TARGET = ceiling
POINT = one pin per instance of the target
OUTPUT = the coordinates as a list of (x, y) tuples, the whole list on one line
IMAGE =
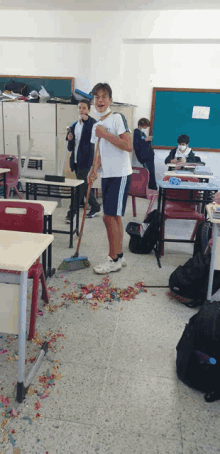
[(109, 5)]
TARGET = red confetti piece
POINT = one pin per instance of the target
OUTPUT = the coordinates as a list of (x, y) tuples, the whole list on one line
[(14, 413), (37, 405)]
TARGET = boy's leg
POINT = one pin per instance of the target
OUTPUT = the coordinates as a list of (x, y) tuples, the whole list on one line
[(114, 230)]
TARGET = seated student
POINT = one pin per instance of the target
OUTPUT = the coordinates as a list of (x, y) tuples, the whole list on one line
[(182, 153), (144, 151)]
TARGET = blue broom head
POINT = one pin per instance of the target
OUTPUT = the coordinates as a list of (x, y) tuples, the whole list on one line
[(74, 263)]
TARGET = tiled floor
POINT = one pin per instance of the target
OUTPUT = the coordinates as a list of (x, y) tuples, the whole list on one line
[(118, 392)]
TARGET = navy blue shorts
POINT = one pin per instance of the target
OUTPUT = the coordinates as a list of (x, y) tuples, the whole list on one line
[(115, 194)]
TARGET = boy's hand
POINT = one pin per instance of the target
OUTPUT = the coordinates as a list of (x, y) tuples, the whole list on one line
[(85, 117), (70, 136), (148, 139), (92, 176), (174, 161), (100, 131)]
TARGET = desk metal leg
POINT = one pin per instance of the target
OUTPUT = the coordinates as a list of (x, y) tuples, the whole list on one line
[(50, 270), (71, 218), (22, 335), (212, 264), (44, 255), (27, 191), (5, 185)]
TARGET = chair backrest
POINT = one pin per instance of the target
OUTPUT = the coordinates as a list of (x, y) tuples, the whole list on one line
[(21, 216), (10, 162), (181, 194), (139, 182)]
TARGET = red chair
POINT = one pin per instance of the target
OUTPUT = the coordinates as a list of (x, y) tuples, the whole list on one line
[(139, 188), (182, 210), (10, 162), (26, 217)]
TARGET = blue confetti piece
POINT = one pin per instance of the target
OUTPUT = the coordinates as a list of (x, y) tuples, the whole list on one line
[(29, 419), (48, 373), (38, 440), (1, 405), (12, 441)]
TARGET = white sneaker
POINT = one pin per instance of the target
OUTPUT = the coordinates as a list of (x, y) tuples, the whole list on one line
[(108, 266), (123, 261)]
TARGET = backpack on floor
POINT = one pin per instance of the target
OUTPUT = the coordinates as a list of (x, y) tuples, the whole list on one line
[(198, 352), (191, 280), (143, 237), (203, 235)]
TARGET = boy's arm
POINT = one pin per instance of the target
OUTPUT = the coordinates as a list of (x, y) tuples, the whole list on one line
[(123, 141), (92, 175), (192, 158), (170, 157)]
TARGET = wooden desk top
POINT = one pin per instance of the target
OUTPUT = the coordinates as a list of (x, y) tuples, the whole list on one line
[(68, 182), (176, 173), (19, 250), (49, 207), (4, 170), (187, 165)]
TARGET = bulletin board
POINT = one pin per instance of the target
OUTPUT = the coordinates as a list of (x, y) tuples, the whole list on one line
[(60, 87), (186, 111)]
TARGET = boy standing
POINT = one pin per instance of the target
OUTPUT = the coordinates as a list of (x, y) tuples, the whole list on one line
[(81, 158), (114, 148), (144, 151)]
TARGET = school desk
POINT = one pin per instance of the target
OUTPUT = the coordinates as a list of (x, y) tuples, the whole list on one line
[(178, 173), (207, 191), (35, 162), (18, 252), (51, 189)]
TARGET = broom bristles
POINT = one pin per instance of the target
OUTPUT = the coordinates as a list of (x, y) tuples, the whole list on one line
[(74, 263)]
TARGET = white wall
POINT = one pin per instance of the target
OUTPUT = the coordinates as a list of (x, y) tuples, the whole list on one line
[(133, 51)]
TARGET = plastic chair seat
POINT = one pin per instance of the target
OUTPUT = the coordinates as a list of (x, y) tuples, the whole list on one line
[(12, 177), (30, 221), (139, 188)]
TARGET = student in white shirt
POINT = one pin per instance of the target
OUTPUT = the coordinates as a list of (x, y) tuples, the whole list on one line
[(114, 160)]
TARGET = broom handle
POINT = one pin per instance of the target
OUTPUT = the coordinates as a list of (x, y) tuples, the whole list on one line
[(87, 199)]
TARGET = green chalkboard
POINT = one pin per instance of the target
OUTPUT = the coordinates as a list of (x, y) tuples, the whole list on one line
[(60, 87), (171, 116)]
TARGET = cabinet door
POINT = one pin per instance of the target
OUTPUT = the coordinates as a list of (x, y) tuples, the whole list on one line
[(11, 142), (66, 115), (44, 144), (16, 116), (1, 143), (42, 118)]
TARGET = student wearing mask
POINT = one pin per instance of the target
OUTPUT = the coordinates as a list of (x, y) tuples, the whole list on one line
[(144, 151), (182, 153)]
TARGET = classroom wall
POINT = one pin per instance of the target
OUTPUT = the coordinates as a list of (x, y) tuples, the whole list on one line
[(133, 51)]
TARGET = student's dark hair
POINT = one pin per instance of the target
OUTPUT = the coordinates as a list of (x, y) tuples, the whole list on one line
[(102, 86), (86, 101), (143, 122), (183, 139)]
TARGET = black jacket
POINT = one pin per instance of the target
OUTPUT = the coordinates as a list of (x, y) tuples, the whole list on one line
[(85, 151), (143, 149), (190, 158)]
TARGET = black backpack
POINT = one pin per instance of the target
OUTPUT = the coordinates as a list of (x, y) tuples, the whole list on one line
[(203, 235), (198, 352), (191, 280), (17, 87), (144, 236)]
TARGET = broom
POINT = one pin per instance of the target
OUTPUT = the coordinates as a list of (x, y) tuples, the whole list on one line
[(75, 262)]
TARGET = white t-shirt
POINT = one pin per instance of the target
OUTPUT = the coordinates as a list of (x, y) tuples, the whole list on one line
[(77, 133), (114, 162)]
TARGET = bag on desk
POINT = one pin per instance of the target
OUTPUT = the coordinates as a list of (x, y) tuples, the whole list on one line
[(17, 87), (191, 280), (198, 352), (144, 236)]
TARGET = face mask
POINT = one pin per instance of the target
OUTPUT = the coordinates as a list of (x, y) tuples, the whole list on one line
[(102, 114), (144, 130), (182, 147)]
